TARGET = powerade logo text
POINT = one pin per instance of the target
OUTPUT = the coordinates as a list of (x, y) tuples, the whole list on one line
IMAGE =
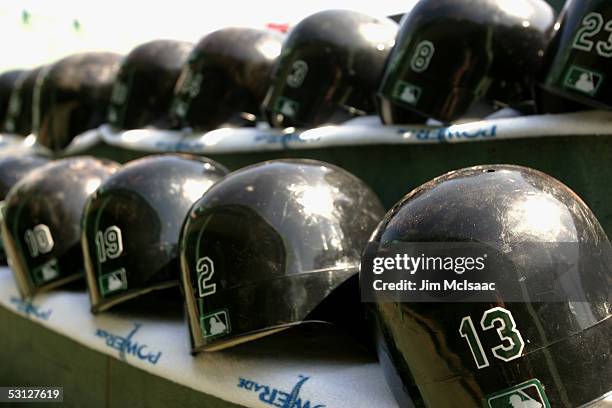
[(30, 309), (277, 398), (126, 345), (283, 139), (445, 134)]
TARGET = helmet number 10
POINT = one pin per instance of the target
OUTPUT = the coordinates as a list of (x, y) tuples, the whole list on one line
[(511, 346), (39, 240)]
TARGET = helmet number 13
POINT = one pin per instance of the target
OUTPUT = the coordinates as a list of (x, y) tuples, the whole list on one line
[(511, 345)]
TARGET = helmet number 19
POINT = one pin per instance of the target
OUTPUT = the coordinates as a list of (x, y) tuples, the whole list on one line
[(109, 244), (511, 346)]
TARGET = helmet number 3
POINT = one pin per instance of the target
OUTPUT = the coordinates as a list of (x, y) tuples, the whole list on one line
[(511, 346), (298, 73), (422, 56)]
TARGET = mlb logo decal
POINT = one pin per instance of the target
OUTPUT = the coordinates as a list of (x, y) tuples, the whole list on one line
[(46, 272), (287, 107), (583, 80), (529, 394), (113, 282), (215, 324), (406, 92)]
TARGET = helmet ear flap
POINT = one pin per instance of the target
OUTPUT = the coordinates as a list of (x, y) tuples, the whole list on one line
[(344, 309)]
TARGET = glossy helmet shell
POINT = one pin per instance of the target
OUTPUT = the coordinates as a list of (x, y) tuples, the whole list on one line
[(225, 79), (8, 82), (262, 249), (145, 83), (451, 53), (41, 221), (72, 96), (19, 114), (13, 169), (329, 69), (131, 225), (565, 344)]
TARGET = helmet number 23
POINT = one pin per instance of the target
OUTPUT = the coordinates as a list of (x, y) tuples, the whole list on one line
[(591, 26), (511, 345)]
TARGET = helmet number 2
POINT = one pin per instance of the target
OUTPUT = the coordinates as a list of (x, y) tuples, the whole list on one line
[(205, 269), (109, 244), (512, 343), (422, 56)]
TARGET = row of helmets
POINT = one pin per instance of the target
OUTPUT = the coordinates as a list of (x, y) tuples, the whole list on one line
[(280, 243), (447, 60)]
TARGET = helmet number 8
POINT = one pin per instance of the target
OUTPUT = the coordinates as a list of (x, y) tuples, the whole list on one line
[(512, 343), (109, 244), (422, 56)]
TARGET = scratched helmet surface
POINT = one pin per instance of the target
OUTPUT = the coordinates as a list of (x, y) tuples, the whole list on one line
[(225, 79), (8, 82), (576, 73), (145, 83), (13, 169), (131, 225), (72, 96), (263, 249), (19, 112), (329, 69), (490, 353), (449, 54), (41, 221)]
